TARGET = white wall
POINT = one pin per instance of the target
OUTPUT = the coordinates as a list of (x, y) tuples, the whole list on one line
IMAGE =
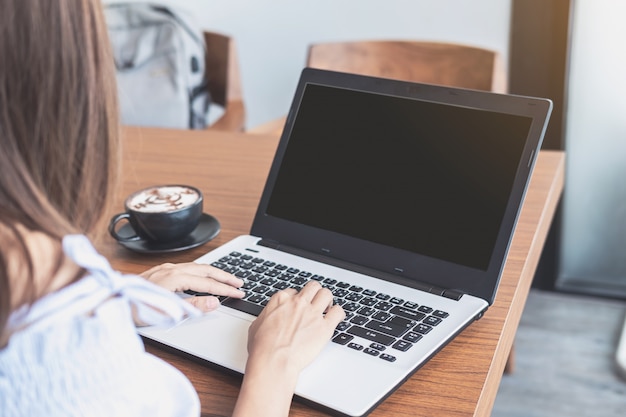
[(273, 35), (593, 251)]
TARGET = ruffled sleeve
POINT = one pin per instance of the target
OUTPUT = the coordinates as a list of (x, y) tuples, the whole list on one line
[(153, 305)]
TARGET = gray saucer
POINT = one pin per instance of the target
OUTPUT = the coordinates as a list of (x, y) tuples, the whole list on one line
[(207, 229)]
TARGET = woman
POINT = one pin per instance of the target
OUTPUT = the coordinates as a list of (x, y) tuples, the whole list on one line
[(67, 340)]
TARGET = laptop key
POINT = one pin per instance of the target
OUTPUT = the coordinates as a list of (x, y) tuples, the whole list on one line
[(243, 274), (269, 281), (285, 276), (235, 262), (281, 285), (387, 328), (372, 352), (407, 313), (197, 293), (366, 311), (272, 273), (340, 301), (353, 297), (298, 281), (383, 305), (381, 316), (440, 313), (338, 292), (412, 337), (343, 326), (244, 306), (425, 309), (255, 277), (342, 338), (377, 346), (401, 322), (359, 320), (432, 320), (248, 285), (402, 345), (351, 307), (368, 301), (422, 328), (371, 335), (387, 357), (261, 289), (256, 298)]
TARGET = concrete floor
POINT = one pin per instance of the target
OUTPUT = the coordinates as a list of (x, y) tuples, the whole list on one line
[(565, 359)]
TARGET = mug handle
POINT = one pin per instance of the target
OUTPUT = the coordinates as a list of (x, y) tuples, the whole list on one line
[(114, 233)]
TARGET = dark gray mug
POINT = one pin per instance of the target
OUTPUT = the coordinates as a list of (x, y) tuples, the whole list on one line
[(160, 214)]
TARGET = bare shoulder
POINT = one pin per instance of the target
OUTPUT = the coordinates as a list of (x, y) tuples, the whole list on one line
[(35, 263), (13, 247)]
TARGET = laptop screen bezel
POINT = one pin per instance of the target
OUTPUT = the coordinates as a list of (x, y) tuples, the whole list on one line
[(413, 267)]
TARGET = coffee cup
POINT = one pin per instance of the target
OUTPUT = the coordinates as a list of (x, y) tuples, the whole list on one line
[(160, 214)]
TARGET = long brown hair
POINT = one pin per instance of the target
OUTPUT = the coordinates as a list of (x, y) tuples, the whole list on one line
[(58, 126)]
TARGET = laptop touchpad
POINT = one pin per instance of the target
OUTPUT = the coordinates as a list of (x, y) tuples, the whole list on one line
[(220, 337)]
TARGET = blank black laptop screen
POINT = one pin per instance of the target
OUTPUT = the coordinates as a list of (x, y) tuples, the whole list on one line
[(428, 178)]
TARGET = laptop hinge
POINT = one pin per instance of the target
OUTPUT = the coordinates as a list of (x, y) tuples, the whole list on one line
[(272, 244), (453, 294)]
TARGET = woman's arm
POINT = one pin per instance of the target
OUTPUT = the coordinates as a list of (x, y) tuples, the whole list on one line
[(288, 334), (197, 277)]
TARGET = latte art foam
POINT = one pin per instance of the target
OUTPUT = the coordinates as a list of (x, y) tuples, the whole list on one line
[(160, 199)]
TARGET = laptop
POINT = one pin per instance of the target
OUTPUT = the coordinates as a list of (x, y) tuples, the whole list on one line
[(402, 199)]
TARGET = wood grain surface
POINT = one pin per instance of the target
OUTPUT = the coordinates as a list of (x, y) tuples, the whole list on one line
[(231, 169)]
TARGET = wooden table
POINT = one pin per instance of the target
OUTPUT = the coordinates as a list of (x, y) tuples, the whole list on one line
[(231, 168)]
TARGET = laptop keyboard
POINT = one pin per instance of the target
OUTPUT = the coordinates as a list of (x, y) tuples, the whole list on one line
[(391, 325)]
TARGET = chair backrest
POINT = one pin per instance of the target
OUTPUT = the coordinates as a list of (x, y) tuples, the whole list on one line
[(441, 63), (222, 66)]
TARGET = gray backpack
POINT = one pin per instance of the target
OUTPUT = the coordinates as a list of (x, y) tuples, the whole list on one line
[(160, 59)]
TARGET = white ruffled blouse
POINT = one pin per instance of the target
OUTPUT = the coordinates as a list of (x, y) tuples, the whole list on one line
[(76, 351)]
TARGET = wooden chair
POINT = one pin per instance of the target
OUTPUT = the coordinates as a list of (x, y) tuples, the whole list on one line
[(449, 64), (222, 66), (454, 65)]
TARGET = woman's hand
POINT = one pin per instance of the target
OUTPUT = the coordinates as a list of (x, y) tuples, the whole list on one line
[(288, 334), (295, 325), (196, 277)]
